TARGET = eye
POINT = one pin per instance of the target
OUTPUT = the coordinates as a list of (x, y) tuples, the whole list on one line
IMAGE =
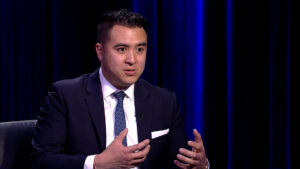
[(121, 50), (140, 50)]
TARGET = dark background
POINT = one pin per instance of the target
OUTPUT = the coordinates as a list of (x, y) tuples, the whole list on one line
[(231, 63)]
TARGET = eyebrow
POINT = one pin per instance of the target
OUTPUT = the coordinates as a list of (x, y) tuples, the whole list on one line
[(120, 44), (142, 44), (125, 45)]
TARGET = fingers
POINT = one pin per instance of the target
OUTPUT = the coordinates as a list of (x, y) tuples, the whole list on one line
[(138, 153), (137, 162), (190, 154), (139, 146), (122, 135), (194, 158), (197, 147), (180, 164), (198, 144), (118, 156), (140, 156), (197, 135), (188, 160)]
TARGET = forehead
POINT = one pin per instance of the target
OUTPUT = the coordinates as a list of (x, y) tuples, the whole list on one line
[(124, 34)]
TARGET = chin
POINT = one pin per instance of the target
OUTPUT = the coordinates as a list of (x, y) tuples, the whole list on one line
[(129, 82)]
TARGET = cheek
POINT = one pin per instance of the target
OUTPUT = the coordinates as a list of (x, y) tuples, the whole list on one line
[(141, 59), (114, 61), (142, 62)]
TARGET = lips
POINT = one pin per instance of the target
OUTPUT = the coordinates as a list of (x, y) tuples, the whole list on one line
[(130, 72)]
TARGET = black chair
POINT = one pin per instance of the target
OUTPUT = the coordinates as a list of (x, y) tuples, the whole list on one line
[(15, 144)]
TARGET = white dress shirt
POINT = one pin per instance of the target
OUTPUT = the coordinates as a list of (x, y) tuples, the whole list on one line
[(110, 103)]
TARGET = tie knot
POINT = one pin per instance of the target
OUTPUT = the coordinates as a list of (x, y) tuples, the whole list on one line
[(119, 95)]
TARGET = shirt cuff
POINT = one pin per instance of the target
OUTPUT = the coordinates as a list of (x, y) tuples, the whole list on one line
[(208, 165), (89, 162)]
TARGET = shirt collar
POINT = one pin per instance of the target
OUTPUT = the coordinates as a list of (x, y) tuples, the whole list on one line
[(108, 88)]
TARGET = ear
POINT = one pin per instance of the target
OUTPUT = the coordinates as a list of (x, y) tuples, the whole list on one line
[(99, 51)]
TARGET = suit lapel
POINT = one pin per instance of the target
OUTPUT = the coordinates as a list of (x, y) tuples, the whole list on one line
[(143, 108), (94, 100)]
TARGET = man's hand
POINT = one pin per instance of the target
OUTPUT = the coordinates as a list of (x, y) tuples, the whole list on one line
[(118, 156), (195, 159)]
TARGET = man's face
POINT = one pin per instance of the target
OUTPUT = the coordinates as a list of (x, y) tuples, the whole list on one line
[(123, 55)]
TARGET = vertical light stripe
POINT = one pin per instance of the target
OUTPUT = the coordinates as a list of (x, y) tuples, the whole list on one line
[(229, 54), (135, 5), (198, 67)]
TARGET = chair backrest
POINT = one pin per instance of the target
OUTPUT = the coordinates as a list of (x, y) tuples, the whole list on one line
[(15, 144)]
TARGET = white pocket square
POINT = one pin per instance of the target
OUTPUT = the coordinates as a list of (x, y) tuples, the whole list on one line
[(155, 134)]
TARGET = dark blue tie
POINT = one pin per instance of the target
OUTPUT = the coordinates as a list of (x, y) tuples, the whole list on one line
[(120, 122)]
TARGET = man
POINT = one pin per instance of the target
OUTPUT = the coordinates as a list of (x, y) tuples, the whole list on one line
[(111, 118)]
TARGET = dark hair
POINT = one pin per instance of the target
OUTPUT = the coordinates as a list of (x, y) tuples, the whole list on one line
[(120, 17)]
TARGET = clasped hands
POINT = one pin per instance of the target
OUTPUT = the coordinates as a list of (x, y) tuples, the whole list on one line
[(118, 156)]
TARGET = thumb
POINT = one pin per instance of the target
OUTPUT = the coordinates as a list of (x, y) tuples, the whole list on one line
[(197, 136), (122, 135)]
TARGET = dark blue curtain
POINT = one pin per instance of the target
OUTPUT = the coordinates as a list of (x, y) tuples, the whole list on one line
[(231, 64)]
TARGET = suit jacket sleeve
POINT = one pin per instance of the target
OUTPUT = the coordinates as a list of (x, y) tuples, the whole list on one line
[(49, 140)]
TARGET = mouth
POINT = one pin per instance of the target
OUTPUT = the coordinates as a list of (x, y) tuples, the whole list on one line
[(130, 72)]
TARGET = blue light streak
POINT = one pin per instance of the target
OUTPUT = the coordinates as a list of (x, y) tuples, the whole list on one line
[(229, 46)]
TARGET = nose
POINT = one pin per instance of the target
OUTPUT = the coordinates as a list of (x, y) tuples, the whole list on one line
[(131, 58)]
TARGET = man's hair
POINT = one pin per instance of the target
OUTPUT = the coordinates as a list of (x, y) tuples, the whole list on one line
[(121, 17)]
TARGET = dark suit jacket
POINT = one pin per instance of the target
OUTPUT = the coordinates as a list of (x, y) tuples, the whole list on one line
[(71, 124)]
